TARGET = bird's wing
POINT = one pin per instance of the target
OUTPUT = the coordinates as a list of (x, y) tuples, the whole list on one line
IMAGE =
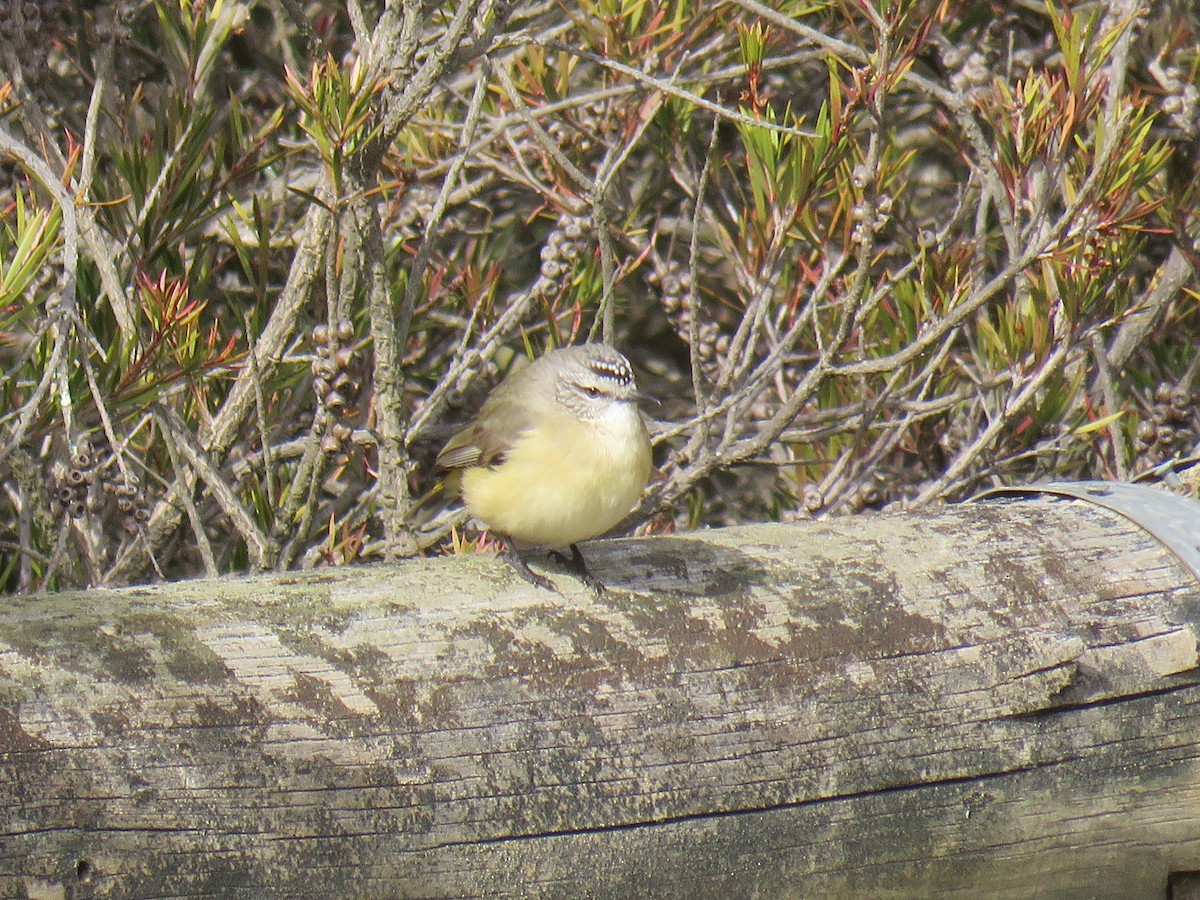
[(485, 441)]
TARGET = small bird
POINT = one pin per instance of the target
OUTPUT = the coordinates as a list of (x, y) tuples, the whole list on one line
[(557, 454)]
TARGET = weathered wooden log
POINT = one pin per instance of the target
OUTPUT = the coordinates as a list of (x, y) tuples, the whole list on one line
[(997, 699)]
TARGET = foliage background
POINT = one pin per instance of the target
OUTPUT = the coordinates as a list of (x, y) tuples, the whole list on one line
[(258, 258)]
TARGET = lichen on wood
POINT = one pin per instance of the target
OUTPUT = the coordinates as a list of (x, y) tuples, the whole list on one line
[(977, 698)]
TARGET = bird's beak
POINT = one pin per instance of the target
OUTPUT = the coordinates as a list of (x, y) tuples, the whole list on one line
[(643, 397)]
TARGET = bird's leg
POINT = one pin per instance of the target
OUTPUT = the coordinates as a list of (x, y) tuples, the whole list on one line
[(517, 562), (578, 565)]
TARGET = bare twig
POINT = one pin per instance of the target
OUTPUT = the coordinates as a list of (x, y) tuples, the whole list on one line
[(191, 450), (203, 544)]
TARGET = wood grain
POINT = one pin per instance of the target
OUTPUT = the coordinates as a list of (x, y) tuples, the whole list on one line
[(994, 699)]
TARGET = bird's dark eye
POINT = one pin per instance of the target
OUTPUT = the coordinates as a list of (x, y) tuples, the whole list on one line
[(592, 391)]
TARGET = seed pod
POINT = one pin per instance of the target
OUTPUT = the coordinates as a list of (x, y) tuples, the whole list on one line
[(871, 494)]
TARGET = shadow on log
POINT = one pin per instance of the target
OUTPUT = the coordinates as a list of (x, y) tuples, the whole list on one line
[(996, 699)]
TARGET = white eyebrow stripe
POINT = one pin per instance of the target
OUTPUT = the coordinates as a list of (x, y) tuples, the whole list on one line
[(612, 370)]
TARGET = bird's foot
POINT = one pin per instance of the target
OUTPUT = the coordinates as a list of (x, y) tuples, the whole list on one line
[(517, 562), (576, 563)]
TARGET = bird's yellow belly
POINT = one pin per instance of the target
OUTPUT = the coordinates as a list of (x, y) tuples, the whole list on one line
[(557, 488)]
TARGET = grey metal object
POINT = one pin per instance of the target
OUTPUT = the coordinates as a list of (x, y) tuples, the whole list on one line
[(1173, 520)]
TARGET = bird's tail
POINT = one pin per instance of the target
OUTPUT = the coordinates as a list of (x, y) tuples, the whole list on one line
[(438, 498)]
